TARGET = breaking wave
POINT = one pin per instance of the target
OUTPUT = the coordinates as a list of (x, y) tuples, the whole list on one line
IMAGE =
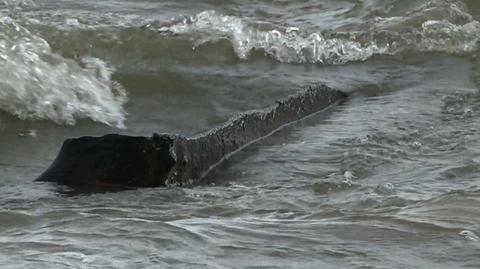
[(436, 26), (36, 83), (47, 72)]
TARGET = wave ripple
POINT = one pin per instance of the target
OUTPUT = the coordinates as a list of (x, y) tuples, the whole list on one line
[(433, 27)]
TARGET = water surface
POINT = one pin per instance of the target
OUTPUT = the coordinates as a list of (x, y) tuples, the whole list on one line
[(388, 179)]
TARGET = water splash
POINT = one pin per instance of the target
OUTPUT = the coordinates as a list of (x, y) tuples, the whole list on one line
[(285, 45), (440, 26), (36, 83), (469, 235)]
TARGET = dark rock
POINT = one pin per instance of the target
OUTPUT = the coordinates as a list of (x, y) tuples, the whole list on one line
[(112, 160), (116, 160)]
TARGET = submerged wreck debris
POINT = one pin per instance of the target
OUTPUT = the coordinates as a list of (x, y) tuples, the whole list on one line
[(113, 160)]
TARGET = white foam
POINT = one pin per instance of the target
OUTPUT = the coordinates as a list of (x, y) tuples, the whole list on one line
[(36, 83), (285, 45), (469, 235), (442, 26)]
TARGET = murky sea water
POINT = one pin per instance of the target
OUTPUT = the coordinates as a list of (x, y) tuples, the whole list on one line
[(388, 179)]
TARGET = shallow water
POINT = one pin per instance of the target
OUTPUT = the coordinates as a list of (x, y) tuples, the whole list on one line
[(389, 179)]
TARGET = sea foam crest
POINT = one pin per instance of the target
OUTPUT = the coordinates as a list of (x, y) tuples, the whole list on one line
[(438, 25), (36, 83), (441, 26), (285, 45)]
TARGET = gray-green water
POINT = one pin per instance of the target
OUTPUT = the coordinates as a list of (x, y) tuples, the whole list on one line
[(390, 179)]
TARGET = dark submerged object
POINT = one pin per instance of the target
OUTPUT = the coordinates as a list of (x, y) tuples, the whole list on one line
[(113, 161)]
